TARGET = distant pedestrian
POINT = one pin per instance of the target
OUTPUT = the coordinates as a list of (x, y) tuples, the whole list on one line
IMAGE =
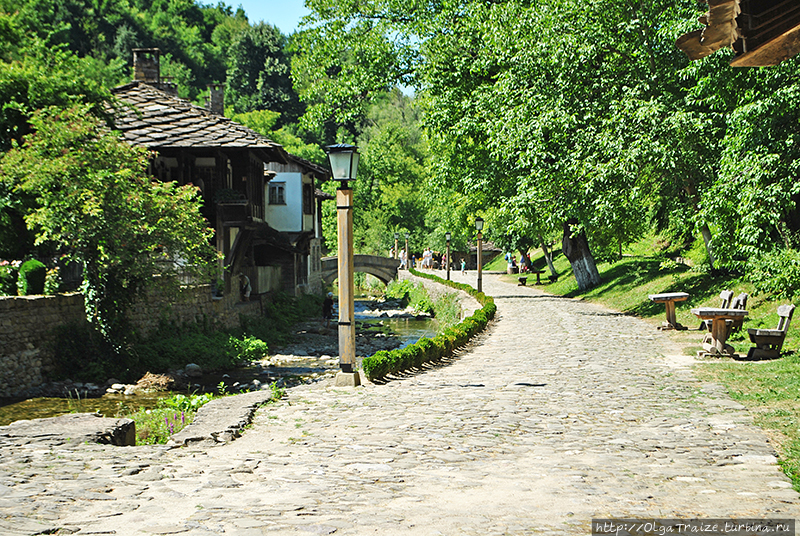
[(463, 266), (327, 309)]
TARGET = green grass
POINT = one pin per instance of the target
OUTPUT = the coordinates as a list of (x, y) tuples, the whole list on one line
[(498, 264), (769, 389)]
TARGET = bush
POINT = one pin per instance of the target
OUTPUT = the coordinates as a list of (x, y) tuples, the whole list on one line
[(425, 350), (212, 351), (30, 280), (155, 426), (776, 273), (52, 282), (8, 279)]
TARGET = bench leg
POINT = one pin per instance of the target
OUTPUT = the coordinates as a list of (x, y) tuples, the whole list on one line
[(763, 353)]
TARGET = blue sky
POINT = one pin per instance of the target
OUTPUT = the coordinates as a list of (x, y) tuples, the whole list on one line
[(285, 14)]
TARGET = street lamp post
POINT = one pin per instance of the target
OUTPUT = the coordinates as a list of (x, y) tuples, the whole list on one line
[(407, 237), (447, 239), (479, 228), (343, 159), (396, 238)]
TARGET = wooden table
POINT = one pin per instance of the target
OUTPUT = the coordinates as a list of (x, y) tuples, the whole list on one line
[(715, 344), (669, 299)]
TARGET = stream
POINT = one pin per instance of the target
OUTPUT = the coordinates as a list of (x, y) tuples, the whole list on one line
[(313, 356)]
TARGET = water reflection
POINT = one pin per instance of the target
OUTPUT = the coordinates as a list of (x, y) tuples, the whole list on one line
[(39, 408)]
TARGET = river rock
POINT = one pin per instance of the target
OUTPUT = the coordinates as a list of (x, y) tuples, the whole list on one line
[(72, 429), (193, 370)]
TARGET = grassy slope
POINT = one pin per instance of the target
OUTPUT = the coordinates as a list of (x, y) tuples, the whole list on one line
[(770, 389)]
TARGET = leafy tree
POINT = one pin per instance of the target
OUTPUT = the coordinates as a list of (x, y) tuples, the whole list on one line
[(34, 78), (756, 195), (258, 73), (92, 197)]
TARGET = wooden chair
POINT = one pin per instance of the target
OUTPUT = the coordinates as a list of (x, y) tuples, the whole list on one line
[(768, 342)]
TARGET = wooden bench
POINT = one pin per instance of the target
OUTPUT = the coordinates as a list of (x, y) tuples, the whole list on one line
[(769, 342), (725, 300), (739, 302), (522, 281)]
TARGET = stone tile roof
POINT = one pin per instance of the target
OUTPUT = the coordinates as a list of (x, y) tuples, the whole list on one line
[(156, 119)]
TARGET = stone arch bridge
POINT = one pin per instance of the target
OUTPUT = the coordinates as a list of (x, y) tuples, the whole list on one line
[(383, 268)]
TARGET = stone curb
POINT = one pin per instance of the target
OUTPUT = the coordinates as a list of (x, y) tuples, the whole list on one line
[(221, 420)]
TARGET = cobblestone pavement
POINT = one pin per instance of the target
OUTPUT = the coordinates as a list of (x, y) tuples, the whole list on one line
[(562, 411)]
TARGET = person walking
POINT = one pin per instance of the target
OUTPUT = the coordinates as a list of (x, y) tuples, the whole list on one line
[(327, 309)]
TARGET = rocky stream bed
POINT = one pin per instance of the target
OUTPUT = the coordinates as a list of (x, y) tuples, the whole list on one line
[(313, 355)]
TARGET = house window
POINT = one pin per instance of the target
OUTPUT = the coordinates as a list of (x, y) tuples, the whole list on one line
[(308, 199), (277, 193)]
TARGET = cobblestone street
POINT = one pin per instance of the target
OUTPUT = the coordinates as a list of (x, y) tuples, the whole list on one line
[(560, 412)]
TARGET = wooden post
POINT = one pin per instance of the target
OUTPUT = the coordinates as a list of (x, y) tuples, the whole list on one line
[(480, 262), (407, 259), (448, 260), (347, 328)]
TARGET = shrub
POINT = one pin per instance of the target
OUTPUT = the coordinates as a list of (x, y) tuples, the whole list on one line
[(83, 354), (30, 280), (776, 273), (52, 281), (155, 426), (383, 363), (8, 279)]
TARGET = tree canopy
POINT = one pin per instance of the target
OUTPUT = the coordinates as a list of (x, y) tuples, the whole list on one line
[(556, 120), (569, 116)]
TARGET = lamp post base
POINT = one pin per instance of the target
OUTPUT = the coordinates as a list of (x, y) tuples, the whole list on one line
[(348, 379)]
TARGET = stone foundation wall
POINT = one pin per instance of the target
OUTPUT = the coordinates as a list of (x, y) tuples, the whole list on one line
[(28, 326), (191, 305), (27, 336)]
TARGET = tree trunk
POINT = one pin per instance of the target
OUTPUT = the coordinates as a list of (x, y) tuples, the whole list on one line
[(576, 249), (524, 260), (704, 230), (548, 256)]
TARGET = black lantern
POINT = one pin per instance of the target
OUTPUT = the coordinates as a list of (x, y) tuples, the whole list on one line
[(343, 159)]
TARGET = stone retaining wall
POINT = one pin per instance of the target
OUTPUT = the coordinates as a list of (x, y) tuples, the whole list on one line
[(27, 336), (28, 326)]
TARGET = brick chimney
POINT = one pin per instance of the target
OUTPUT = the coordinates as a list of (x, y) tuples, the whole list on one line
[(216, 99), (146, 65)]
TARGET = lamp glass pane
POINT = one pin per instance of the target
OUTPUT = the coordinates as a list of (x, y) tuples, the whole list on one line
[(354, 170), (479, 224), (340, 165)]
